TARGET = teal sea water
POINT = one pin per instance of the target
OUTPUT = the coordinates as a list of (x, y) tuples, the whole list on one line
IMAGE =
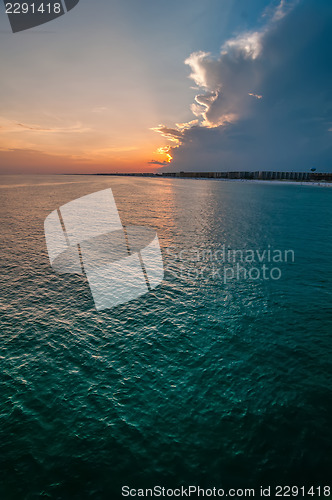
[(203, 381)]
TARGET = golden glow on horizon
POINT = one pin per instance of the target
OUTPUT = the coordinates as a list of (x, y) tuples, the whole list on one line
[(52, 144), (165, 152)]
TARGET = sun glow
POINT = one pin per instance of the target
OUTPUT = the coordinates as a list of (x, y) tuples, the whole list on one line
[(166, 152)]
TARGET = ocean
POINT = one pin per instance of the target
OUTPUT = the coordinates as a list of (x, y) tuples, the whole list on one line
[(219, 377)]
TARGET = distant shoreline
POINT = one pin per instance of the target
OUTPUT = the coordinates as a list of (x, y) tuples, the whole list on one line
[(286, 182), (267, 177)]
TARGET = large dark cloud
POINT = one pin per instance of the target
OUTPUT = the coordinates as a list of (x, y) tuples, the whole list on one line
[(288, 63)]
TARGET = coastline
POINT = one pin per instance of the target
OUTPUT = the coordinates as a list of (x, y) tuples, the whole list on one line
[(258, 181)]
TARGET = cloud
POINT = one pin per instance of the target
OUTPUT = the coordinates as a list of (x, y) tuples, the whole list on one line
[(282, 10), (255, 95), (265, 100), (156, 162), (12, 126), (173, 134), (246, 46), (99, 109), (226, 79), (186, 125)]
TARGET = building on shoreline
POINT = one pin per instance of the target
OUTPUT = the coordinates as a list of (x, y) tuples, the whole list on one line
[(264, 175)]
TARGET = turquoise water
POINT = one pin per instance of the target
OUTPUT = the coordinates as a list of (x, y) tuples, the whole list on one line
[(203, 381)]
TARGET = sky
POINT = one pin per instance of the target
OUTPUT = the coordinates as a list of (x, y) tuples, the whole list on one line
[(192, 85)]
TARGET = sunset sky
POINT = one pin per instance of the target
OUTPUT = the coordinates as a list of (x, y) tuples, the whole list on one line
[(126, 85)]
